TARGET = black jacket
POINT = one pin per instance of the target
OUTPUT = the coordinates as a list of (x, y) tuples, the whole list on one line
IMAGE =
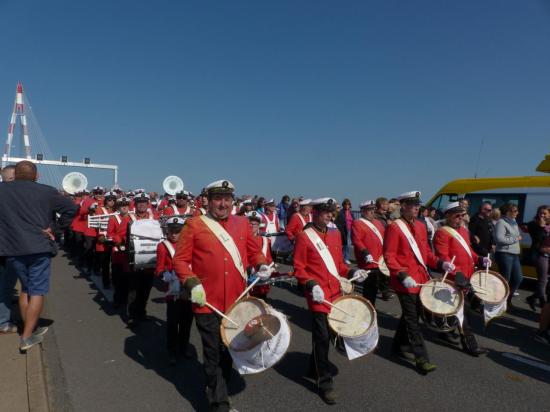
[(483, 229), (27, 208)]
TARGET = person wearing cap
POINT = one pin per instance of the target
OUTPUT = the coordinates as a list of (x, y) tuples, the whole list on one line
[(201, 204), (452, 240), (408, 256), (102, 246), (324, 277), (181, 207), (117, 230), (179, 314), (367, 237), (270, 218), (246, 207), (299, 219), (88, 244), (80, 223), (255, 219), (211, 258)]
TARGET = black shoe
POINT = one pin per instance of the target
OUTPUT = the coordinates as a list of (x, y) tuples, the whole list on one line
[(329, 395), (449, 337), (132, 322), (543, 337), (476, 352), (425, 367), (187, 352), (219, 407), (387, 296), (531, 301), (172, 359), (404, 352)]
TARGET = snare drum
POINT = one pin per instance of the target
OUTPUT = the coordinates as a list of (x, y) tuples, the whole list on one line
[(281, 245), (357, 327), (490, 287), (144, 236), (261, 338), (440, 303)]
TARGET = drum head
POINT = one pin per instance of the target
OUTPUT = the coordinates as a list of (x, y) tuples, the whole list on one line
[(351, 326), (241, 312), (441, 298), (383, 267), (491, 287)]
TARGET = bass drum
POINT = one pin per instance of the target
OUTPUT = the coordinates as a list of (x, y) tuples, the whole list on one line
[(261, 338), (281, 246), (144, 236), (440, 304)]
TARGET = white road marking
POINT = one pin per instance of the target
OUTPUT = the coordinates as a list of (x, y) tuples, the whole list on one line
[(527, 361)]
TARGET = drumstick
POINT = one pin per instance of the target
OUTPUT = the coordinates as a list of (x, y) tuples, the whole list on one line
[(252, 285), (340, 309), (219, 312), (447, 272), (486, 272)]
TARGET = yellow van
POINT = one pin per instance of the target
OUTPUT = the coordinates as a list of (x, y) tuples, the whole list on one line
[(527, 192)]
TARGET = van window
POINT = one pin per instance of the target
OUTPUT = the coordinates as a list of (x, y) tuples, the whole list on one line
[(497, 200), (443, 200)]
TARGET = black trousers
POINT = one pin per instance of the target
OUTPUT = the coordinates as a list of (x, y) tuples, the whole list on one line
[(121, 281), (77, 244), (383, 284), (216, 358), (320, 340), (102, 264), (370, 286), (88, 246), (141, 284), (179, 318), (467, 332), (408, 332)]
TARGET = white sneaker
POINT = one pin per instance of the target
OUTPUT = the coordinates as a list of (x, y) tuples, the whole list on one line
[(516, 293)]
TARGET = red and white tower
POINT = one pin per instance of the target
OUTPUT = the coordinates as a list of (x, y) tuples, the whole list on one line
[(18, 112)]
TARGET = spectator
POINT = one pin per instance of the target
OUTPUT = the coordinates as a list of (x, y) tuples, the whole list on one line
[(394, 209), (26, 240), (507, 252), (381, 212), (423, 217), (260, 205), (7, 278), (432, 217), (481, 230), (282, 211), (465, 204), (495, 216), (539, 230), (343, 221), (293, 208), (8, 173)]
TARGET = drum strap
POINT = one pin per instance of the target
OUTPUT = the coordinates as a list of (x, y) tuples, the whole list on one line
[(412, 241), (454, 233), (203, 210), (104, 210), (304, 222), (170, 248), (227, 242), (323, 251), (118, 219), (373, 228), (132, 216), (271, 226), (175, 209)]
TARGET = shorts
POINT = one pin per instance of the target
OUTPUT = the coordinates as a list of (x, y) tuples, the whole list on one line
[(33, 272)]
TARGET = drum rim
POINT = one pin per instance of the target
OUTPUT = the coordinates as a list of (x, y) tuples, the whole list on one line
[(358, 297), (448, 282), (498, 275), (224, 322)]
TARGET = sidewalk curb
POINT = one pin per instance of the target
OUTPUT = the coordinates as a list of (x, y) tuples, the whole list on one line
[(36, 381)]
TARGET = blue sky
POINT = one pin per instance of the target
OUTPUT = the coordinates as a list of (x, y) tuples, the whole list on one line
[(355, 98)]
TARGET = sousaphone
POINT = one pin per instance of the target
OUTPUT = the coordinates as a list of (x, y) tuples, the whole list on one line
[(74, 182), (172, 185)]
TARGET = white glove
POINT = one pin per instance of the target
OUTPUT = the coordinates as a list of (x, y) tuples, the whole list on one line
[(369, 258), (264, 272), (361, 275), (198, 295), (448, 266), (409, 282), (317, 294), (345, 285), (487, 262)]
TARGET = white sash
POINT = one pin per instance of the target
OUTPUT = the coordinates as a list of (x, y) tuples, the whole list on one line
[(118, 219), (170, 248), (412, 241), (271, 226), (203, 210), (373, 228), (302, 219), (104, 210), (227, 242), (265, 242), (175, 209), (323, 251), (454, 233)]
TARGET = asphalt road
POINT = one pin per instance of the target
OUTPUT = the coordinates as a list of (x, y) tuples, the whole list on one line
[(95, 363)]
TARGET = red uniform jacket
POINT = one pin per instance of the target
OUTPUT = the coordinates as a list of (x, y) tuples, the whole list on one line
[(169, 210), (164, 263), (308, 265), (80, 221), (117, 232), (261, 241), (272, 218), (201, 254), (101, 246), (364, 238), (295, 225), (400, 257), (446, 246)]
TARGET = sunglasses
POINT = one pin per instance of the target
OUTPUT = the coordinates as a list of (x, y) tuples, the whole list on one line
[(487, 209)]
